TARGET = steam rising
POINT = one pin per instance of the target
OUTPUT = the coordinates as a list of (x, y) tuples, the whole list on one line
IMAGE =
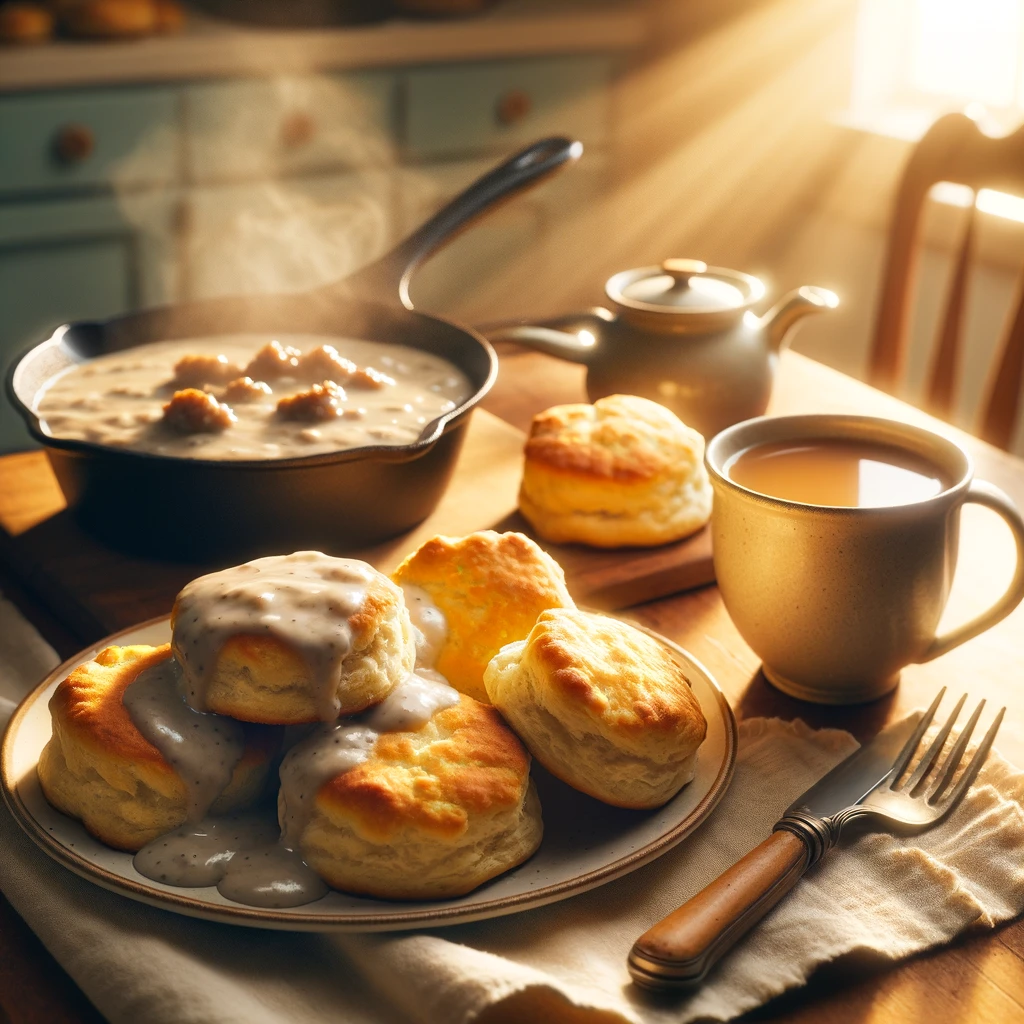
[(290, 185)]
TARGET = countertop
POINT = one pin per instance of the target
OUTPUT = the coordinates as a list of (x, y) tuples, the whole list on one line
[(209, 48)]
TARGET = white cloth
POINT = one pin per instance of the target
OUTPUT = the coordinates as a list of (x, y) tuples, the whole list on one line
[(564, 962)]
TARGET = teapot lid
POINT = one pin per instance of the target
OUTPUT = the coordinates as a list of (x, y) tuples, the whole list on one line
[(684, 289)]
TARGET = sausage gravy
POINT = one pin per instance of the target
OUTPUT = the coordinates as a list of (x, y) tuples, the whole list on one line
[(248, 396)]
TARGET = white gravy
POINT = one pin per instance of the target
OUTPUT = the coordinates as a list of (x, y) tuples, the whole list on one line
[(304, 599), (340, 746), (203, 749), (249, 857), (118, 400), (239, 854), (429, 624), (246, 856)]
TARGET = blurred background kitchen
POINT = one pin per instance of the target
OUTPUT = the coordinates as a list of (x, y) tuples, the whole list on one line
[(230, 146)]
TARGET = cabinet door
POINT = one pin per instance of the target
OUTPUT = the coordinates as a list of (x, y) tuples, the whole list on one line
[(76, 260), (495, 107), (88, 138), (288, 125)]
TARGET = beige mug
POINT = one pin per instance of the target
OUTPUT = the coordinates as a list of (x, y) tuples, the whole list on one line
[(837, 600)]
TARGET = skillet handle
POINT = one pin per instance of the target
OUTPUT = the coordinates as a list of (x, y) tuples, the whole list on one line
[(381, 279)]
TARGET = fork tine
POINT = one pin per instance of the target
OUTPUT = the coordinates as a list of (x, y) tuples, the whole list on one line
[(955, 756), (899, 766), (926, 762), (972, 769)]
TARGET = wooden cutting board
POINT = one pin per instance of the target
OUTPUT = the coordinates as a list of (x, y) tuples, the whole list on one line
[(94, 590)]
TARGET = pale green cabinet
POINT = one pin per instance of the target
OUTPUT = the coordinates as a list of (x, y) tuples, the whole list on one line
[(501, 105), (88, 138), (288, 126)]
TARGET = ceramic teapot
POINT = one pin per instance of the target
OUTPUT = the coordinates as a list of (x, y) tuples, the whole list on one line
[(682, 334)]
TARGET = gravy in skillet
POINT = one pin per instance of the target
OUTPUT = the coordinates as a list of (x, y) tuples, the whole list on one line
[(247, 396)]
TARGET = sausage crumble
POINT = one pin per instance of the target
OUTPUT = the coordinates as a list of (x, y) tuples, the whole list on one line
[(320, 402), (272, 361), (196, 412), (193, 371)]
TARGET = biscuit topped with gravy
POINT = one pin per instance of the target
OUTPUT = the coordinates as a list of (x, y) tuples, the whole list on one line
[(132, 761), (292, 638), (431, 809), (623, 471)]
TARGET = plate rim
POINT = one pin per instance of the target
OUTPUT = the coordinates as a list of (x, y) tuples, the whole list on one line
[(385, 920)]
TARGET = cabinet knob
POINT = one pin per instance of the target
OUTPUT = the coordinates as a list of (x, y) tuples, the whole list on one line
[(513, 107), (297, 129), (73, 143)]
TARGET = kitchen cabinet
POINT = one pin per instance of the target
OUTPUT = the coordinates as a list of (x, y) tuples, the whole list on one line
[(113, 198), (289, 125), (56, 142), (499, 106)]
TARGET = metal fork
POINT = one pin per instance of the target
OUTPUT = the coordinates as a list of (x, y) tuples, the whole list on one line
[(679, 950), (926, 797)]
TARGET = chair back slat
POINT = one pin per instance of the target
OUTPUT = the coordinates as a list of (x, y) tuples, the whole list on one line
[(1000, 415), (946, 368)]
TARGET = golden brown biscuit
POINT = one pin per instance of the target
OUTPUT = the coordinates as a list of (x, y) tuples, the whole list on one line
[(491, 587), (623, 471), (431, 813), (601, 705), (98, 766), (292, 638)]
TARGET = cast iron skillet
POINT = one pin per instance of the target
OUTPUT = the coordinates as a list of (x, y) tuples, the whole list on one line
[(219, 511)]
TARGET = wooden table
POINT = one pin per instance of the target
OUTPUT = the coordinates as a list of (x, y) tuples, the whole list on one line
[(979, 978)]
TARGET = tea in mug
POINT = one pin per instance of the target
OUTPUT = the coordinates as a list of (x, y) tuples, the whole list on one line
[(837, 472)]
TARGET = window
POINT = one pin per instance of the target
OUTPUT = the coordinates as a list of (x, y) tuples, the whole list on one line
[(917, 59)]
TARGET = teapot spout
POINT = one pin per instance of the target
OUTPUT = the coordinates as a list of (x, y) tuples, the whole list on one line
[(782, 318)]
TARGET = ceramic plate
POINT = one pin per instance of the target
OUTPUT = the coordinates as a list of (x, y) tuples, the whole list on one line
[(586, 843)]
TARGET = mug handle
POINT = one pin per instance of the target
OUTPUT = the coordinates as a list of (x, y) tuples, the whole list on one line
[(982, 493)]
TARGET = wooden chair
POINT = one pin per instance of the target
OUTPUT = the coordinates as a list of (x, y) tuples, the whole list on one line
[(954, 149)]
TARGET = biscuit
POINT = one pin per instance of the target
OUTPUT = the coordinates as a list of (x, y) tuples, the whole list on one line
[(98, 766), (292, 639), (431, 813), (602, 706), (623, 471), (490, 587)]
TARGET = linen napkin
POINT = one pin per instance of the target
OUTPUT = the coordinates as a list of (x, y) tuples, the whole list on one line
[(562, 963)]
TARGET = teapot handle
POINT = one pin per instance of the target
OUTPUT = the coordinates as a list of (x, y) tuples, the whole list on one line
[(573, 336)]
